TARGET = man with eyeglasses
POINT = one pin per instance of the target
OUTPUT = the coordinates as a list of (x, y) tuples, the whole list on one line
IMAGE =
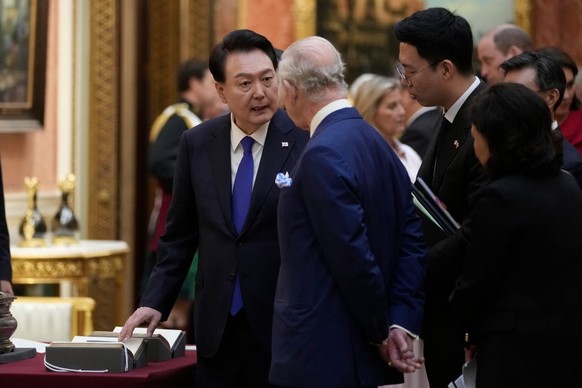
[(436, 50)]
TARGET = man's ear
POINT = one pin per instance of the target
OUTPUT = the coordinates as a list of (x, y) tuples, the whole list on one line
[(552, 96), (290, 90), (447, 68), (220, 90), (513, 51)]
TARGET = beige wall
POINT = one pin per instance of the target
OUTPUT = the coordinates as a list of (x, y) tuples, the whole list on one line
[(34, 153)]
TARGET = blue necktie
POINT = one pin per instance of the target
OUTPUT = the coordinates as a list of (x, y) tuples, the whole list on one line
[(241, 199)]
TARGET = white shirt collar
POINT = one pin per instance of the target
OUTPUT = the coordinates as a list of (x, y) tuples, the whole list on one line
[(326, 111), (236, 134), (453, 110)]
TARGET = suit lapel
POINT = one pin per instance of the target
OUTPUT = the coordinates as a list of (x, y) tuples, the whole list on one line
[(427, 166), (278, 145), (450, 144), (218, 150)]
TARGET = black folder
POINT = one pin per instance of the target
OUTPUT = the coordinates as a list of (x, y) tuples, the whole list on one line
[(432, 208)]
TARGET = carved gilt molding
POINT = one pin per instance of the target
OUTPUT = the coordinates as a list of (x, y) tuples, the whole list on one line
[(305, 14), (523, 10), (103, 120)]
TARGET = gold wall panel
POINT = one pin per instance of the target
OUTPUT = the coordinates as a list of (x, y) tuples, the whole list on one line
[(164, 54), (198, 28), (523, 15), (179, 30), (305, 13), (103, 121)]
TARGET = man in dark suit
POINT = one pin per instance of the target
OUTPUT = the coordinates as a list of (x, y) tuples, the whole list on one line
[(542, 74), (197, 97), (5, 259), (219, 162), (436, 63), (352, 257)]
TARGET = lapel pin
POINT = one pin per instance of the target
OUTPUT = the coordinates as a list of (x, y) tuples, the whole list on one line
[(456, 144), (284, 144)]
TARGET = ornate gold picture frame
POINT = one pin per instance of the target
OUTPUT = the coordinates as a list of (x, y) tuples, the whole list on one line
[(23, 43)]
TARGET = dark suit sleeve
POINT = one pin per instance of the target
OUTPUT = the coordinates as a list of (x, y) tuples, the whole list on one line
[(163, 151), (178, 244), (407, 284), (5, 260), (336, 214)]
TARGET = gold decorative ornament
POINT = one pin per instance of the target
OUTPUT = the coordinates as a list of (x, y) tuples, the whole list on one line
[(32, 227), (64, 226), (7, 323)]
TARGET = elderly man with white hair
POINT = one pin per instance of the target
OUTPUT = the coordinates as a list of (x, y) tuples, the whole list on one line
[(349, 296)]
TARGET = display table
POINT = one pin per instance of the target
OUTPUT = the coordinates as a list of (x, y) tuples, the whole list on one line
[(177, 372), (91, 268)]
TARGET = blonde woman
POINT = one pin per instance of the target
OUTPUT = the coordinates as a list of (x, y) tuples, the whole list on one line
[(378, 99)]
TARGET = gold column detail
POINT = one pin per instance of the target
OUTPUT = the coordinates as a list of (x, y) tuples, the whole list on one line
[(164, 58), (198, 38), (305, 14), (523, 14), (103, 120)]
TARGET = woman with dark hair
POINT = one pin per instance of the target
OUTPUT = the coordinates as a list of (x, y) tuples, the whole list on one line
[(519, 297), (569, 112)]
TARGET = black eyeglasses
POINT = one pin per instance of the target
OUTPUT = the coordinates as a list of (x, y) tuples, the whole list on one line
[(400, 70)]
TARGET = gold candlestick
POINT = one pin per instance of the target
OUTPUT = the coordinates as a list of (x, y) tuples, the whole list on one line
[(32, 227), (64, 225)]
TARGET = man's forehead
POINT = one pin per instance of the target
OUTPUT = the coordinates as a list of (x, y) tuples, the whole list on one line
[(408, 51), (246, 63), (526, 76)]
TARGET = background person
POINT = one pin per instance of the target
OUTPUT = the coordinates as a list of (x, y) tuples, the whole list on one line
[(436, 63), (379, 101), (520, 287), (498, 45), (568, 114), (224, 204), (543, 75), (5, 258)]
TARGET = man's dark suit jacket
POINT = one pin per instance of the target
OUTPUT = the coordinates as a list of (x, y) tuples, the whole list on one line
[(572, 160), (352, 260), (200, 218), (458, 175), (520, 296), (419, 132), (5, 260)]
